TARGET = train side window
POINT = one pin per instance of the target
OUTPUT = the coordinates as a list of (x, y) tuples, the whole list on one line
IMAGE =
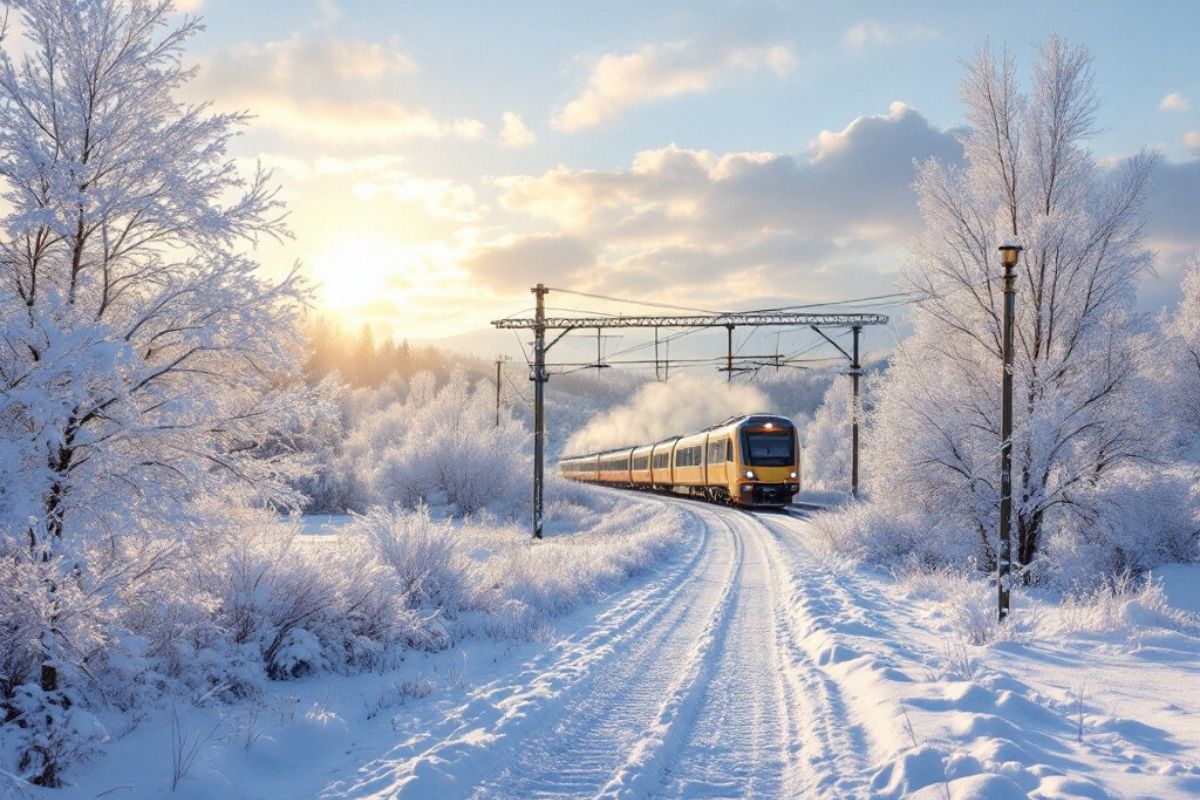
[(729, 449)]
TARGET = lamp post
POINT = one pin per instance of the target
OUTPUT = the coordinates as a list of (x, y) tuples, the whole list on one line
[(1009, 254)]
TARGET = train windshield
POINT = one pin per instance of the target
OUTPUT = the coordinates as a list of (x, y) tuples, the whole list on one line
[(773, 448)]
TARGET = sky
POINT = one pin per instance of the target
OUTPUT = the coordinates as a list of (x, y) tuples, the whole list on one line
[(441, 158)]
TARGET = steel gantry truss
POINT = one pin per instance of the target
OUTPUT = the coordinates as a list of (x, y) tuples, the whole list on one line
[(540, 323)]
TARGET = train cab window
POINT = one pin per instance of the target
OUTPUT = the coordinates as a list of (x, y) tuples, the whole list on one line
[(729, 449), (769, 448)]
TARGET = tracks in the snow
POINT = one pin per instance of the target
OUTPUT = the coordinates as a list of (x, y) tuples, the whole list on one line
[(695, 684)]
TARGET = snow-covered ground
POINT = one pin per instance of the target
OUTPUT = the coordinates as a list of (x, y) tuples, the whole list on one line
[(746, 663)]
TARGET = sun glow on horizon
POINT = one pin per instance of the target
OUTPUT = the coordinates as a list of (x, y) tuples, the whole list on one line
[(368, 278)]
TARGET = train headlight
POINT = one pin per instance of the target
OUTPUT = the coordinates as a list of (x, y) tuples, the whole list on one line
[(793, 475), (750, 474)]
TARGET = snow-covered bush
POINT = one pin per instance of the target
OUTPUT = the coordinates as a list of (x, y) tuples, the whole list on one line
[(1122, 603), (891, 534), (425, 556), (442, 447), (1149, 515)]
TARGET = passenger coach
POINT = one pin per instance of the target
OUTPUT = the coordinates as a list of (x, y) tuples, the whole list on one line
[(750, 461)]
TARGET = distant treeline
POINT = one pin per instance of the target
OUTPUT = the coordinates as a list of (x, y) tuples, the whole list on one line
[(368, 359)]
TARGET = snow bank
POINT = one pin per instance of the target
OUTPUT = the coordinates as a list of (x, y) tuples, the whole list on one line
[(255, 600)]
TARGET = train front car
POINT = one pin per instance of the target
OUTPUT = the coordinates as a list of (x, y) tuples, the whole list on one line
[(767, 471)]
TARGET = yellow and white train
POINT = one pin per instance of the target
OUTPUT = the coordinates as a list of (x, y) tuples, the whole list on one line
[(752, 460)]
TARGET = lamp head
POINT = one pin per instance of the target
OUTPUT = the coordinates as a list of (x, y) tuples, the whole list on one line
[(1009, 253)]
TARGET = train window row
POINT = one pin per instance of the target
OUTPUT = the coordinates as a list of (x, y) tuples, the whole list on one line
[(684, 457)]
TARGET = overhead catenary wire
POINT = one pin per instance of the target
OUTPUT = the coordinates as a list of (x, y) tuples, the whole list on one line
[(647, 303)]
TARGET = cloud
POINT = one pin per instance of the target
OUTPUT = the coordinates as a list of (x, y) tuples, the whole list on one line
[(851, 180), (661, 71), (873, 34), (441, 198), (519, 261), (1174, 102), (1191, 140), (306, 170), (513, 131), (744, 223), (324, 88)]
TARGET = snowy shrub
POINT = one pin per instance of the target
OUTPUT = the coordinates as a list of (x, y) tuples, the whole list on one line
[(525, 585), (826, 454), (424, 556), (442, 448), (884, 534), (1147, 516), (50, 730), (1120, 604), (826, 438)]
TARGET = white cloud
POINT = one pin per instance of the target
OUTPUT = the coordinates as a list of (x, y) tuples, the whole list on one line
[(1174, 102), (1191, 140), (440, 198), (742, 222), (305, 170), (324, 88), (873, 34), (661, 71), (517, 261), (514, 132)]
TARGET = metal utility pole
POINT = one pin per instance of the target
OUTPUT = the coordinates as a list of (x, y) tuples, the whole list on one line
[(855, 373), (729, 353), (1008, 256), (498, 362), (539, 378), (657, 374)]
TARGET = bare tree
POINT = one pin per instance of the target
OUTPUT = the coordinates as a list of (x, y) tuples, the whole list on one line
[(1028, 178)]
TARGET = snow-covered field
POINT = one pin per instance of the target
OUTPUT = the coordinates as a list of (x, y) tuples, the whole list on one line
[(743, 662)]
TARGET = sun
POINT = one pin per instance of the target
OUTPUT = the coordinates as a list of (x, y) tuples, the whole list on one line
[(352, 273), (371, 278)]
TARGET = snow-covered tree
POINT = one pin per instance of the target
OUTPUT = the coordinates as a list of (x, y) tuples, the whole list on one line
[(1179, 372), (826, 439), (1028, 178), (145, 358)]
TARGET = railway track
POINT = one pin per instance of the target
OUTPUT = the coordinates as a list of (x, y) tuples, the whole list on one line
[(693, 685)]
